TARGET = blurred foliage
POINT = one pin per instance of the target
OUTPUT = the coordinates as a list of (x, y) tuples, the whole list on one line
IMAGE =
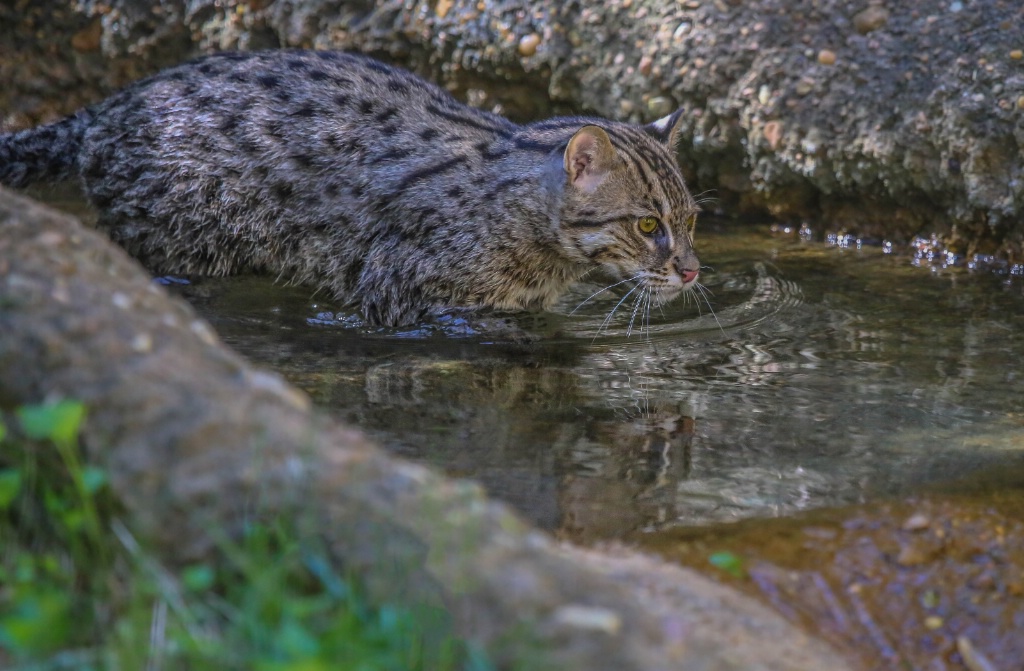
[(78, 591)]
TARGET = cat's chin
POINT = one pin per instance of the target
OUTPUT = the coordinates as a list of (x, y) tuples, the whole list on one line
[(667, 293)]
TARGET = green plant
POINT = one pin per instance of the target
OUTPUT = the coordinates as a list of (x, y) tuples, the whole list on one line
[(730, 563), (77, 590)]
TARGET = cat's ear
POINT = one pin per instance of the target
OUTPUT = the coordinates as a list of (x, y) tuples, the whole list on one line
[(589, 158), (666, 129)]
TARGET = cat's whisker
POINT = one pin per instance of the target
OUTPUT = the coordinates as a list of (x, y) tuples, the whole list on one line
[(705, 197), (601, 291), (639, 309), (645, 311), (692, 296), (636, 306), (608, 318), (647, 314), (704, 292)]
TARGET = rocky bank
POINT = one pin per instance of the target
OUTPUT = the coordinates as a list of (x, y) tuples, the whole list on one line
[(880, 119)]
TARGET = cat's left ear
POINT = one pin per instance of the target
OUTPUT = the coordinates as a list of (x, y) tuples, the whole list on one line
[(589, 157), (666, 129)]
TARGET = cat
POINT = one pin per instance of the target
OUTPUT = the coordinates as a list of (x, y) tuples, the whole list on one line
[(338, 171)]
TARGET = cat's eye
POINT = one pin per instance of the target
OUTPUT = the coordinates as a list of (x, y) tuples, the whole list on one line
[(647, 225)]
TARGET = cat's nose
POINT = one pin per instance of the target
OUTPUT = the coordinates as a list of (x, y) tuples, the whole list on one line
[(687, 267)]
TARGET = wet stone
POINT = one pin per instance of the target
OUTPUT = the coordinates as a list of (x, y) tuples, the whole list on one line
[(660, 106), (528, 45), (916, 522), (876, 582), (872, 18)]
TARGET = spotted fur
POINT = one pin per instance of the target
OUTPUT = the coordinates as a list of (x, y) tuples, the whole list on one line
[(338, 171)]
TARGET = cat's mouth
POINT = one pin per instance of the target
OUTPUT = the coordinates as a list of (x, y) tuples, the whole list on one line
[(667, 288), (688, 277), (676, 282)]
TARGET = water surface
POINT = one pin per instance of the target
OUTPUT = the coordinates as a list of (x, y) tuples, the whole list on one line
[(826, 376)]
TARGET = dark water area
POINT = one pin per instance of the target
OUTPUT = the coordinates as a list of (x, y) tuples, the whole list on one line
[(826, 376)]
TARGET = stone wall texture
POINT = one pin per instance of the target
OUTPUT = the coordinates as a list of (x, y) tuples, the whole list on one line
[(882, 119)]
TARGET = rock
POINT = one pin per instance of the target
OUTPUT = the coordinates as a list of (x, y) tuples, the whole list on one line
[(660, 106), (191, 436), (916, 522), (88, 39), (872, 18), (773, 134), (909, 594), (913, 554), (528, 44), (881, 176), (646, 62)]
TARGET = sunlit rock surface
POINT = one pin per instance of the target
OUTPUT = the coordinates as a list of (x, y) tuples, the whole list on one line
[(879, 119)]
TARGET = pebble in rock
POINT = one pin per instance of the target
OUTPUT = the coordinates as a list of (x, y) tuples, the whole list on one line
[(528, 44), (872, 18)]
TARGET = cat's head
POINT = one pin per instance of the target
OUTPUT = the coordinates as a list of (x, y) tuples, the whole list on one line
[(627, 209)]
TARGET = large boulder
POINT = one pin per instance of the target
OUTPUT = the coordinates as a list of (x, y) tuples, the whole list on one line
[(884, 119)]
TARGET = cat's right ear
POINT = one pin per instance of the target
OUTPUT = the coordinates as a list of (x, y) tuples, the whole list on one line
[(589, 158), (666, 129)]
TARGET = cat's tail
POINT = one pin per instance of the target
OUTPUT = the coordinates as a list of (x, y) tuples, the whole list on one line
[(47, 152)]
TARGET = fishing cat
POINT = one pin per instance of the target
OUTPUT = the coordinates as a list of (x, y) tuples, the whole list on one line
[(335, 170)]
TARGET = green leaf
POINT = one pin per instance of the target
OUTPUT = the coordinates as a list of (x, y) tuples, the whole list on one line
[(25, 568), (10, 485), (301, 665), (93, 479), (74, 519), (297, 642), (477, 659), (39, 622), (3, 432), (729, 563), (58, 421), (198, 578)]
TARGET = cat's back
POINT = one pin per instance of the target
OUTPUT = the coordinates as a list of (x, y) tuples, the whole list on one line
[(281, 119), (291, 95)]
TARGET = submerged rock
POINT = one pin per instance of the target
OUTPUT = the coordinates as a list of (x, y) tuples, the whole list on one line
[(936, 582)]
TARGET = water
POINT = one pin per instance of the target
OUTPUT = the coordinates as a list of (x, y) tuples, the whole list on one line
[(826, 376)]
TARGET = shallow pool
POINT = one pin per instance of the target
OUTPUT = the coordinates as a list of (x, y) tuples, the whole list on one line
[(824, 376)]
